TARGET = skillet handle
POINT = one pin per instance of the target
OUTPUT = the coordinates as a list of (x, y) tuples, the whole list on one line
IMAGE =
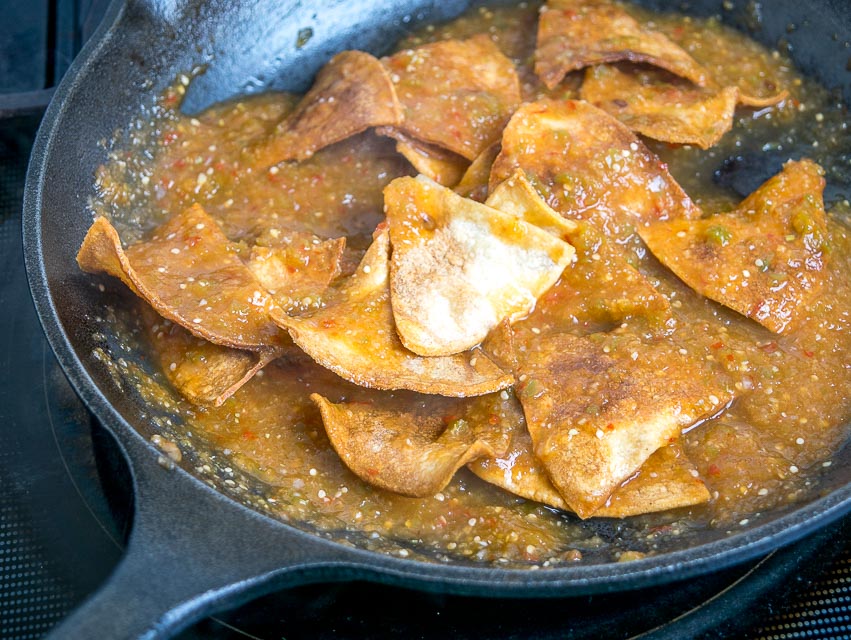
[(191, 553)]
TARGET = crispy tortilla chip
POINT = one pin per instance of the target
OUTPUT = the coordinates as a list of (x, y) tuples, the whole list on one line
[(589, 166), (599, 286), (456, 94), (597, 408), (667, 480), (191, 275), (573, 34), (296, 267), (414, 448), (203, 372), (351, 93), (459, 267), (474, 182), (442, 166), (664, 109), (354, 336), (766, 260)]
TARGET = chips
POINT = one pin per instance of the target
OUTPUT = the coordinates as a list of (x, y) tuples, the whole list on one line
[(573, 34), (203, 372), (415, 446), (665, 109), (598, 407), (460, 267), (474, 182), (351, 93), (442, 166), (589, 166), (354, 336), (517, 197), (295, 267), (456, 94), (667, 480), (766, 259), (189, 273)]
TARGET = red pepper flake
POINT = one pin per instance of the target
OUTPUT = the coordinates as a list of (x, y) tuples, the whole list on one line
[(769, 347), (328, 324), (809, 353), (714, 470), (493, 419), (730, 357), (717, 345), (193, 240), (610, 426), (372, 472), (249, 435)]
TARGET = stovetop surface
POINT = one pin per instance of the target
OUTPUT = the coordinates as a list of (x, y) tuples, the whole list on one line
[(65, 502)]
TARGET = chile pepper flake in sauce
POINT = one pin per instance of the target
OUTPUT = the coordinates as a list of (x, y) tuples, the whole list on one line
[(267, 444)]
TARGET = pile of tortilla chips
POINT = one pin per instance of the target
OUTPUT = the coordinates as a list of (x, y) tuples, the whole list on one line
[(469, 297)]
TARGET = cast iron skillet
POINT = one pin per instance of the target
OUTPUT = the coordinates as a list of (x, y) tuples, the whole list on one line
[(194, 550)]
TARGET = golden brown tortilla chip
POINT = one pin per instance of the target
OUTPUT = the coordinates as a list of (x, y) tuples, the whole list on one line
[(296, 267), (189, 273), (456, 94), (459, 267), (442, 166), (667, 480), (354, 336), (573, 34), (351, 93), (598, 407), (665, 109), (589, 166), (203, 372), (474, 182), (517, 196), (766, 260), (415, 446)]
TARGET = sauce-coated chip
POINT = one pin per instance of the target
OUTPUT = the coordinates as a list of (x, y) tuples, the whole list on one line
[(442, 166), (573, 34), (203, 372), (589, 166), (190, 273), (666, 109), (456, 94), (459, 267), (414, 447), (597, 407), (667, 480), (766, 260), (474, 182), (351, 93), (295, 267), (354, 336)]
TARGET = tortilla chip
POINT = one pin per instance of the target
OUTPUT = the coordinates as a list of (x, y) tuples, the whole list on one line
[(189, 272), (665, 109), (588, 166), (456, 94), (766, 260), (414, 447), (296, 267), (459, 267), (354, 336), (351, 93), (474, 182), (204, 373), (599, 286), (598, 407), (573, 34), (667, 480), (442, 166)]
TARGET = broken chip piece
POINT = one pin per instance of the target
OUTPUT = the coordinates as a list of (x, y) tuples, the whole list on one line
[(204, 373), (413, 445), (459, 267), (766, 259), (573, 34), (664, 108), (597, 407), (354, 336), (189, 272), (351, 93), (442, 166), (588, 166), (474, 182), (456, 94)]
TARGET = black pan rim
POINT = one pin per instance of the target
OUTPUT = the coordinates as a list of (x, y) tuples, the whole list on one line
[(359, 563)]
